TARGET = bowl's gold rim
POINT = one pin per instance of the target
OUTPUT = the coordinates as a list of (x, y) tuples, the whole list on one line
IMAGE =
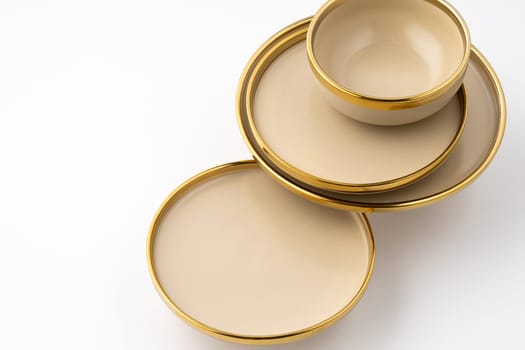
[(233, 337), (379, 103)]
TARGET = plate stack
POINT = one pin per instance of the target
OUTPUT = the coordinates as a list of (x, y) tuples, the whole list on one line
[(368, 106)]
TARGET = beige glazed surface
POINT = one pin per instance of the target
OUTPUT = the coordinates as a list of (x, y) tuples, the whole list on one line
[(239, 256), (301, 131), (388, 50), (478, 145)]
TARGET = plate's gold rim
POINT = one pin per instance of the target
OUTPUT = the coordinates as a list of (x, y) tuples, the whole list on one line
[(393, 206), (232, 337), (389, 103), (249, 81)]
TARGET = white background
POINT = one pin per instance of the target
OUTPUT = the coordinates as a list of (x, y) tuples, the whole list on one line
[(106, 106)]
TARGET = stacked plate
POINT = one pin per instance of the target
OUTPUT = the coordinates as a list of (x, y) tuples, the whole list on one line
[(369, 105)]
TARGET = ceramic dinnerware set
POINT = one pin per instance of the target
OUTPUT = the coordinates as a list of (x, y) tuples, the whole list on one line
[(370, 105)]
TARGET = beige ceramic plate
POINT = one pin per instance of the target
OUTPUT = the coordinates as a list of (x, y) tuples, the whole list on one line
[(239, 257), (480, 141), (280, 104)]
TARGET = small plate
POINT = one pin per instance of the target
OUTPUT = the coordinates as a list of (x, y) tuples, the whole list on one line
[(478, 145), (240, 258), (280, 104)]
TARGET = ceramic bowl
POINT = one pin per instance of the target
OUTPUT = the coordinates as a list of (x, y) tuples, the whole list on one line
[(388, 62)]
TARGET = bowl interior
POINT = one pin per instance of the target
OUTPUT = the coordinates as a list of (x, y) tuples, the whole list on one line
[(388, 49)]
